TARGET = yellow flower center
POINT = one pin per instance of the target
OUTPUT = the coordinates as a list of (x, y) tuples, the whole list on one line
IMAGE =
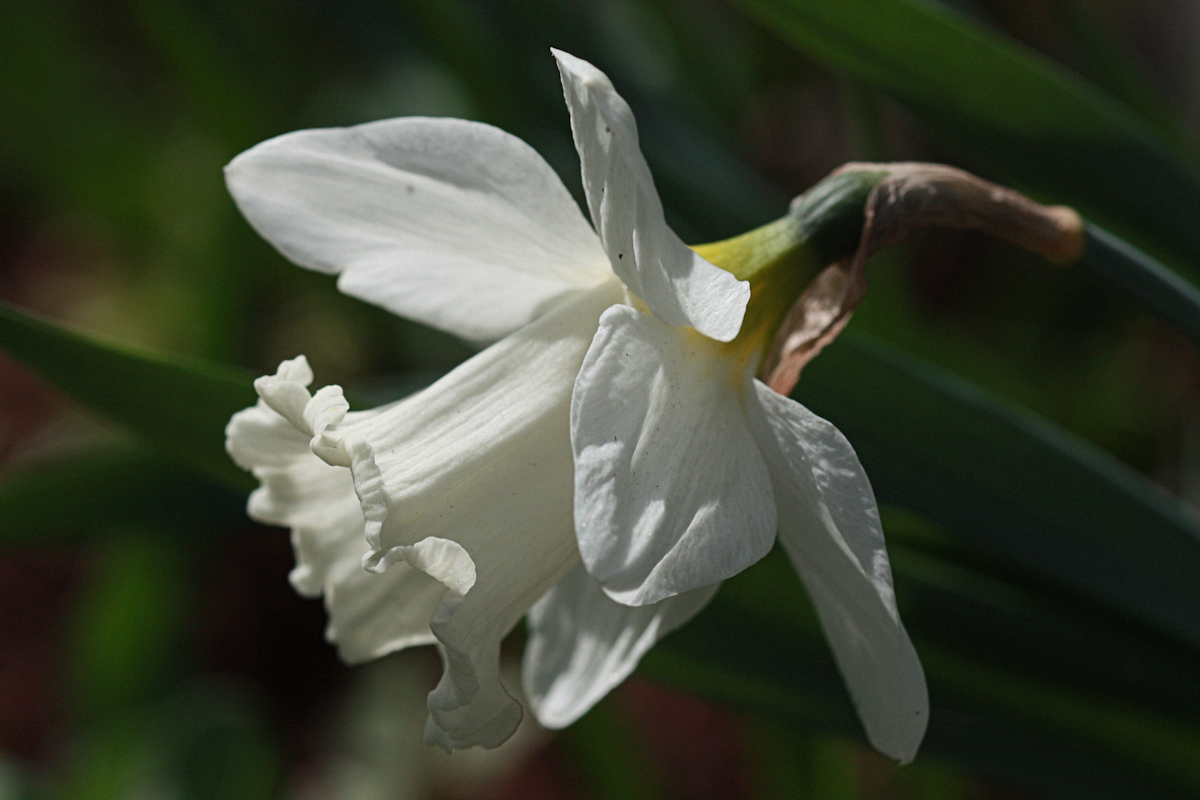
[(778, 263)]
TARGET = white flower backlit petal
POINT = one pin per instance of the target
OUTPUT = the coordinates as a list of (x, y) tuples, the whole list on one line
[(671, 493), (679, 286), (479, 464), (582, 644), (452, 223), (829, 527)]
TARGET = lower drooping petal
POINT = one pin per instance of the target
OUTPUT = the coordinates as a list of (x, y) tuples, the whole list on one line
[(582, 644), (829, 528), (369, 615), (671, 493), (479, 460)]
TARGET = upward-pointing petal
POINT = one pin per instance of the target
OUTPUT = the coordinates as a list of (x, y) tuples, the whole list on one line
[(679, 286), (452, 223), (829, 528)]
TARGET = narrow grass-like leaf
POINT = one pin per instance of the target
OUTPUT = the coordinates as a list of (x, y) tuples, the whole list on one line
[(180, 406), (994, 710), (1109, 62), (80, 495), (1012, 484), (1008, 112), (1143, 279)]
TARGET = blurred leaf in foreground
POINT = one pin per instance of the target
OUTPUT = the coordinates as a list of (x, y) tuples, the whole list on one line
[(80, 495), (179, 406), (1012, 484), (1007, 111)]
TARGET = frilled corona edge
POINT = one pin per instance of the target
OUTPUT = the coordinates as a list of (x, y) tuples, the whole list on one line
[(327, 487), (466, 485), (318, 503)]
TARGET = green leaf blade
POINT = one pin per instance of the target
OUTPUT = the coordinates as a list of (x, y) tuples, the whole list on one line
[(79, 496), (1148, 282), (1000, 709), (1012, 485), (1009, 112), (180, 406)]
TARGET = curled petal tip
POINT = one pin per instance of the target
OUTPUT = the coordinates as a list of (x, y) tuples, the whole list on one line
[(587, 72), (724, 323)]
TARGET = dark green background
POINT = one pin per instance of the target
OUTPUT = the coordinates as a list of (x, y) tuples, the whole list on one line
[(1029, 429)]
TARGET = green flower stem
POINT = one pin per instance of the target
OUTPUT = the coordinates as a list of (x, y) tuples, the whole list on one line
[(825, 225), (781, 258)]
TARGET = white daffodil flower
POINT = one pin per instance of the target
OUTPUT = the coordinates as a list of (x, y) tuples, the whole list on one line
[(618, 404)]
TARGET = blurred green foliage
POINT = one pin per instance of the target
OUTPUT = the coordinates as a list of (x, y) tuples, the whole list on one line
[(1049, 587)]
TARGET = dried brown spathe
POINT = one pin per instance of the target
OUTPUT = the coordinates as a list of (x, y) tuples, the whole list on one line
[(909, 197)]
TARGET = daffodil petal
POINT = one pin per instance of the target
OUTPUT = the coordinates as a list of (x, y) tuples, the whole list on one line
[(373, 615), (671, 493), (679, 286), (369, 615), (582, 644), (829, 527), (478, 464), (452, 223)]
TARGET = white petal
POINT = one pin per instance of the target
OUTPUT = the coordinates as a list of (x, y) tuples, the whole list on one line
[(671, 493), (829, 527), (478, 464), (369, 615), (583, 644), (679, 286), (372, 615), (452, 223)]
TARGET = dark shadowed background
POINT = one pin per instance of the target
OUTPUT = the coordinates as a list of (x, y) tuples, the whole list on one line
[(150, 645)]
